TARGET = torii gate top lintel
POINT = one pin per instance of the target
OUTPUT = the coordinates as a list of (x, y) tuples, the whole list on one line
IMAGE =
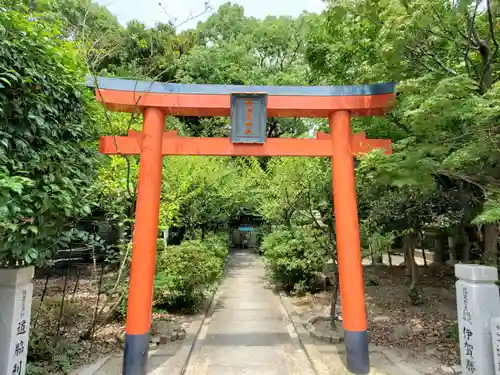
[(214, 100), (248, 106)]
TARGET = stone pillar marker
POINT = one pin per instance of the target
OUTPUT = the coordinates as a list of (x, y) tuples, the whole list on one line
[(16, 291), (478, 302)]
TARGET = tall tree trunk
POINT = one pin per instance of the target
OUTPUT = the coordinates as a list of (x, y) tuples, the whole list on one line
[(409, 242), (491, 244), (466, 245), (414, 267), (475, 236), (390, 257), (422, 245), (406, 254), (377, 258), (441, 248), (334, 299), (451, 252), (414, 291)]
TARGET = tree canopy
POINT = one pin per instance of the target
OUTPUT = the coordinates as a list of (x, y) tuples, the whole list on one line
[(442, 174), (438, 191)]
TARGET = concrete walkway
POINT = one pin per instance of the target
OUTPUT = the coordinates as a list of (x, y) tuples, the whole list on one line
[(248, 333)]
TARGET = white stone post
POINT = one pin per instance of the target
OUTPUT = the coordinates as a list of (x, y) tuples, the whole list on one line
[(16, 291), (478, 302)]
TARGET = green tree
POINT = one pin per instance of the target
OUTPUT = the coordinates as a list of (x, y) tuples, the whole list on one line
[(204, 193), (45, 159), (444, 55), (234, 49)]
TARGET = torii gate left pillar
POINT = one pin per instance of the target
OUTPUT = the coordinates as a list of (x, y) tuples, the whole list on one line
[(337, 103), (142, 270)]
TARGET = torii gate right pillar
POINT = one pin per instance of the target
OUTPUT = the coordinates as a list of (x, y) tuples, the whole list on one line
[(348, 245)]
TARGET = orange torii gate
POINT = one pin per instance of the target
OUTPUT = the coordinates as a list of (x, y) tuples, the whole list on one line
[(248, 106)]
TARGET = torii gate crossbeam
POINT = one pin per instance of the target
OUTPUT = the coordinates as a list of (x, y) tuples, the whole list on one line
[(157, 100)]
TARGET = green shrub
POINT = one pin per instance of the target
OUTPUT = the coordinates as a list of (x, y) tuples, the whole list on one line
[(217, 244), (416, 295), (48, 354), (41, 346), (175, 287), (452, 331), (47, 164), (262, 231), (160, 244), (184, 273), (293, 259)]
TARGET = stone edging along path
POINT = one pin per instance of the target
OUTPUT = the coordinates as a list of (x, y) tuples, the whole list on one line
[(322, 365), (178, 362), (314, 356), (332, 337)]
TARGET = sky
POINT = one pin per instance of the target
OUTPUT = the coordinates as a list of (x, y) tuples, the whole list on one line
[(149, 12)]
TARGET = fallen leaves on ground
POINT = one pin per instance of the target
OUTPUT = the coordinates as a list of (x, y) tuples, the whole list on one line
[(61, 337), (393, 321)]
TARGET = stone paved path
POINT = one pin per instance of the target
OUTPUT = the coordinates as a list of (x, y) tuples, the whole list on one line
[(248, 333)]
